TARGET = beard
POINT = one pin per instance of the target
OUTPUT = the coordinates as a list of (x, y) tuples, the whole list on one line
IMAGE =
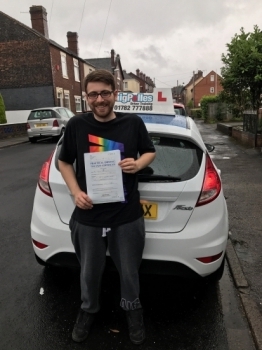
[(103, 109)]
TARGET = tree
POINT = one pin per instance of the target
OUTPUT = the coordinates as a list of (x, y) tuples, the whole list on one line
[(242, 71), (2, 111)]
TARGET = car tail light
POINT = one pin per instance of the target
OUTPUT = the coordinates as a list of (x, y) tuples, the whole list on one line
[(55, 123), (209, 259), (39, 244), (212, 184), (43, 181), (28, 126)]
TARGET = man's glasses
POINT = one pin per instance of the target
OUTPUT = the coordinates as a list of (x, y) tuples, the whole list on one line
[(104, 94)]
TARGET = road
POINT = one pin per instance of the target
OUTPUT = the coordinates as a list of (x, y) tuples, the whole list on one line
[(39, 305)]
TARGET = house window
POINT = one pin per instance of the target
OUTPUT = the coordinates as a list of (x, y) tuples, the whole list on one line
[(212, 90), (76, 69), (125, 84), (64, 65), (59, 95), (67, 99), (212, 77), (78, 103)]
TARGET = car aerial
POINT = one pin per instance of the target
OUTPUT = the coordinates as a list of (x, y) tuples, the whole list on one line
[(185, 211), (47, 122)]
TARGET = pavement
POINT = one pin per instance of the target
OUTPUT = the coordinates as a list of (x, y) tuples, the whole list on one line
[(241, 169), (237, 263), (12, 141)]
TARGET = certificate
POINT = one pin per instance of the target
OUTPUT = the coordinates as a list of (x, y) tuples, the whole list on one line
[(104, 177)]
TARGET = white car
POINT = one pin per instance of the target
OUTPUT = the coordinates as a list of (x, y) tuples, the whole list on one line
[(185, 212), (47, 122)]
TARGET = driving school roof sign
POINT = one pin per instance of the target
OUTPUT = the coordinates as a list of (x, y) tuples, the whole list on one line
[(160, 102)]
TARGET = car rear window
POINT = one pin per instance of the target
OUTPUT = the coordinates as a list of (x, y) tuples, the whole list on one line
[(175, 157), (42, 114)]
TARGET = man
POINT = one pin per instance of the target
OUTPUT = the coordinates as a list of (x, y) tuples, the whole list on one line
[(121, 222)]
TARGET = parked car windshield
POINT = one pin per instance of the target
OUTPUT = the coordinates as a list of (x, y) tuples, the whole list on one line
[(42, 114), (179, 110)]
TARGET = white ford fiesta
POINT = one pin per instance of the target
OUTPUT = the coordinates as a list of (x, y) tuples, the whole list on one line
[(185, 212)]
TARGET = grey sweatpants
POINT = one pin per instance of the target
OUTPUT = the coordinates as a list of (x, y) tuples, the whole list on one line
[(125, 244)]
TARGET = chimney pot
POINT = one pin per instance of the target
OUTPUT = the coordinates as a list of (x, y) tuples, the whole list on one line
[(39, 20), (113, 58), (72, 42)]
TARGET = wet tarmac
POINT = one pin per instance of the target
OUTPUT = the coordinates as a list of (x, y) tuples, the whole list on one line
[(39, 305)]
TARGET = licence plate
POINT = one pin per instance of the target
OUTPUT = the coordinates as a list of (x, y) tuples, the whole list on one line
[(40, 125), (150, 209)]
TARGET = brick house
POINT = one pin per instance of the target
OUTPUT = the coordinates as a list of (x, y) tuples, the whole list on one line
[(130, 84), (146, 84), (112, 64), (210, 85), (36, 71), (188, 91)]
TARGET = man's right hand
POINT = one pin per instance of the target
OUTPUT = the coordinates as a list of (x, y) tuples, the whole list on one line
[(83, 201)]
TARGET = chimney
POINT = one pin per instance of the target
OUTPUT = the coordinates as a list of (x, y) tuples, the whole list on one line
[(137, 72), (72, 42), (39, 19), (200, 74)]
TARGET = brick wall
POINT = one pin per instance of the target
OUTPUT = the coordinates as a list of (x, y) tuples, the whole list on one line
[(24, 64), (11, 130), (74, 87), (246, 138), (24, 56)]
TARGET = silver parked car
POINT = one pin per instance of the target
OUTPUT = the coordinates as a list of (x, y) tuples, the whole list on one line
[(47, 122)]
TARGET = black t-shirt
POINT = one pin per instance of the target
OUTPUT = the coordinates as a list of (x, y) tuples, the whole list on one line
[(127, 132)]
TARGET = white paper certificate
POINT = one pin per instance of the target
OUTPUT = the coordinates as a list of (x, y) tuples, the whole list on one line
[(104, 177)]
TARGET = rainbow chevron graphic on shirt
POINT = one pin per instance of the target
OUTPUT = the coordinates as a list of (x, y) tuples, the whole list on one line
[(103, 145)]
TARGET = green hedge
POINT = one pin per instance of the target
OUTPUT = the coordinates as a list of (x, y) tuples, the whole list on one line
[(2, 111), (205, 100), (196, 113)]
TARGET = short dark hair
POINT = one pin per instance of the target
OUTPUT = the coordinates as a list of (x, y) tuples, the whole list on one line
[(100, 75)]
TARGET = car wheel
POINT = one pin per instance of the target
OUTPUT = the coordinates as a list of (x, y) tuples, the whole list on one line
[(32, 139), (217, 275)]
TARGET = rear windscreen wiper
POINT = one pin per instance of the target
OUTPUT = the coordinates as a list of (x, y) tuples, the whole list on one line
[(157, 178)]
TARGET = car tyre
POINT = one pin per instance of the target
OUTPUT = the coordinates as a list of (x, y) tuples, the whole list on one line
[(32, 139)]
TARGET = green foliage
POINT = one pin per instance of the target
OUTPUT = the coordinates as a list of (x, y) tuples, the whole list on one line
[(196, 113), (190, 104), (204, 102), (242, 71), (2, 111)]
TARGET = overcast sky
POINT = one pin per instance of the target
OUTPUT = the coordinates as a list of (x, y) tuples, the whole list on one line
[(166, 39)]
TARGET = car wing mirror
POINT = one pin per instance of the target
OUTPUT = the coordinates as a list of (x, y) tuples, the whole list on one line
[(210, 148)]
